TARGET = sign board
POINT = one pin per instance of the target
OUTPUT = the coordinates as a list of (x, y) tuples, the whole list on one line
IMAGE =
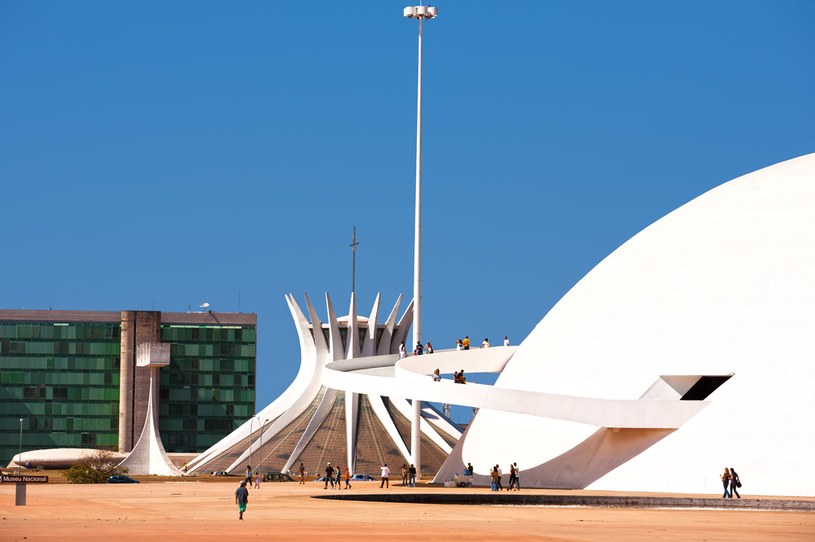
[(24, 478)]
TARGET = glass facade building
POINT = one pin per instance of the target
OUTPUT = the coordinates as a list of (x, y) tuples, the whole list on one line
[(60, 373), (209, 387)]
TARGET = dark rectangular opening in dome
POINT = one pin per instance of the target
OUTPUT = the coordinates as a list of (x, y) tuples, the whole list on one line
[(704, 387)]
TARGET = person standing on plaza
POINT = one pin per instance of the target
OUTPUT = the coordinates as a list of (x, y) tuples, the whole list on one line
[(386, 472), (500, 473), (347, 478), (242, 499), (404, 475), (302, 474), (517, 476), (249, 475), (329, 476), (726, 483), (465, 344), (412, 473), (511, 477), (735, 483), (339, 479)]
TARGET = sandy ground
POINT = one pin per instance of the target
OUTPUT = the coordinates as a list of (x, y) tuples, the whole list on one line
[(173, 511)]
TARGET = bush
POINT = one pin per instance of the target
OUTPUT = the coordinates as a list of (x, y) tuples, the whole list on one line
[(95, 468)]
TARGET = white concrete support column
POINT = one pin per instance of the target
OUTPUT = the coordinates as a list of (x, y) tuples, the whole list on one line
[(416, 436), (351, 415)]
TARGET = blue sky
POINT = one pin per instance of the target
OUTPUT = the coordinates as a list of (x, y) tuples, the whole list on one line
[(156, 155)]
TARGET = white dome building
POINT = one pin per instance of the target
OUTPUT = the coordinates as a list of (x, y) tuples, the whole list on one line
[(723, 285)]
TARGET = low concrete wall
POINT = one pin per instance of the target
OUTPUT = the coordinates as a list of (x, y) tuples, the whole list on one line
[(592, 501)]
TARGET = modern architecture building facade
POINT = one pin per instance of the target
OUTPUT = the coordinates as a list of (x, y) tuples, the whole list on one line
[(71, 377), (687, 350)]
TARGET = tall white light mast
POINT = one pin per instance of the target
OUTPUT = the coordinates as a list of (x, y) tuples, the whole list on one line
[(421, 13)]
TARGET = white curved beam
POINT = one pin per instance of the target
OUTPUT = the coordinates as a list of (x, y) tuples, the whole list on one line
[(637, 413), (369, 345), (386, 343)]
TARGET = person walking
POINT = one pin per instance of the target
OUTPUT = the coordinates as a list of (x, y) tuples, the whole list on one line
[(249, 475), (517, 477), (242, 499), (726, 483), (511, 477), (734, 483), (257, 480), (412, 474), (500, 473), (386, 472), (339, 479), (506, 340), (329, 476), (302, 474), (404, 475), (347, 478), (436, 376)]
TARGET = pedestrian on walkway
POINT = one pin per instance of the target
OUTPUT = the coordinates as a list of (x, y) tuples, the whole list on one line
[(506, 340), (412, 473), (726, 483), (735, 483), (386, 472), (517, 477), (511, 477), (242, 499), (347, 478), (465, 344)]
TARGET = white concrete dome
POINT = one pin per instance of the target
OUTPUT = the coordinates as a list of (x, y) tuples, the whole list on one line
[(724, 284)]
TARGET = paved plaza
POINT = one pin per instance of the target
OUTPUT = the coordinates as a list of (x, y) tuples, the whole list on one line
[(201, 511)]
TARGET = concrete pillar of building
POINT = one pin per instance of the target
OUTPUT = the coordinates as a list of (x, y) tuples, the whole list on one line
[(134, 382), (127, 364)]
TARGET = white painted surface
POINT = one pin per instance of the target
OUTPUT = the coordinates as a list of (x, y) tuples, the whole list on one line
[(723, 284)]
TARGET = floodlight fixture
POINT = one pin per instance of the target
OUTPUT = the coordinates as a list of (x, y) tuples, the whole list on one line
[(420, 12)]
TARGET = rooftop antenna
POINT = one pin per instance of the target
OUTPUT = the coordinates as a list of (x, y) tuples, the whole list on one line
[(353, 246)]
